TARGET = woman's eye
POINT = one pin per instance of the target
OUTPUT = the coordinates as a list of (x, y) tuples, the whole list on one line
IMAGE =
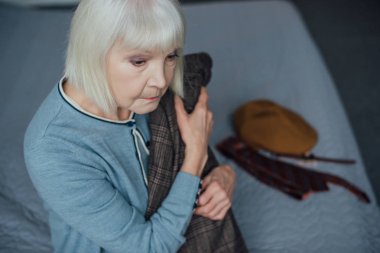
[(138, 62), (172, 57)]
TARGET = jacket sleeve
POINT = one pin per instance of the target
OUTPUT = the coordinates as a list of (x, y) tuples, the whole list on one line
[(81, 194)]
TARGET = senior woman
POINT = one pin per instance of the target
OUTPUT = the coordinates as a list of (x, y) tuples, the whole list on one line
[(93, 151)]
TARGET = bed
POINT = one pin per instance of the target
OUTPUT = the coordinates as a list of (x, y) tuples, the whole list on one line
[(260, 49)]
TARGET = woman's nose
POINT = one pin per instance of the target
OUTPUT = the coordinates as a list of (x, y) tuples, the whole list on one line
[(158, 77)]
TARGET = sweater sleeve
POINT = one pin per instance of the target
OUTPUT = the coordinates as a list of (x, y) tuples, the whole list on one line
[(84, 198)]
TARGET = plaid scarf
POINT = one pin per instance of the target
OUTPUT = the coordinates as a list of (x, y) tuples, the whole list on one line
[(295, 181)]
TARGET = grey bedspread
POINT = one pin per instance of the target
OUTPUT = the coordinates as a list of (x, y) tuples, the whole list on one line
[(260, 50)]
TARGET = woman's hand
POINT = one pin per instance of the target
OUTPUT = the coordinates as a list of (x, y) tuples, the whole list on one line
[(195, 129), (217, 188)]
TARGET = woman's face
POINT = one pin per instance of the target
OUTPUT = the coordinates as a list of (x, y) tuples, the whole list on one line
[(138, 79)]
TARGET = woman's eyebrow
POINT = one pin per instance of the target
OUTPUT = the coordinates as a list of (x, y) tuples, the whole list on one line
[(147, 52)]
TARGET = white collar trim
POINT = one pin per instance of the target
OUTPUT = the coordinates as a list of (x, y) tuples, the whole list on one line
[(76, 106)]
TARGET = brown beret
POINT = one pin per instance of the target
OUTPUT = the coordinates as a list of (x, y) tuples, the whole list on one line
[(263, 124)]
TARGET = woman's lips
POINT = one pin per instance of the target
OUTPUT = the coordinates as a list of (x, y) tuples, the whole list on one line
[(152, 98)]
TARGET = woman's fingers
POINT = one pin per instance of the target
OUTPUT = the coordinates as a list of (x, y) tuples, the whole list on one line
[(211, 122), (222, 213), (209, 193), (217, 188), (214, 202), (216, 210), (195, 129), (202, 99), (219, 209), (180, 109)]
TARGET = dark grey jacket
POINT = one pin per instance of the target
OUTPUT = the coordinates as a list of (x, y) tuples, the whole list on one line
[(166, 158)]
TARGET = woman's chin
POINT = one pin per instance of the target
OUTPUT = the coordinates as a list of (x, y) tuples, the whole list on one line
[(147, 108)]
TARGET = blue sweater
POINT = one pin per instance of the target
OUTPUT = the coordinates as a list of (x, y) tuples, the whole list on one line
[(90, 173)]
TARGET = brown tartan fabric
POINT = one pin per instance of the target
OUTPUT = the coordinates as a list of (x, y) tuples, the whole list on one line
[(293, 180), (166, 157)]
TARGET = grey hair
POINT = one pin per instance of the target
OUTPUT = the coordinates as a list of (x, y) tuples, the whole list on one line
[(141, 24)]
